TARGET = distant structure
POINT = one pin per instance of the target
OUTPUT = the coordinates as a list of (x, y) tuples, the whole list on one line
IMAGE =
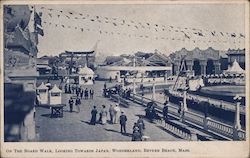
[(141, 65), (199, 62), (238, 55), (75, 59), (86, 76)]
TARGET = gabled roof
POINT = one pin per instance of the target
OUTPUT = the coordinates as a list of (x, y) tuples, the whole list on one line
[(55, 89), (42, 86)]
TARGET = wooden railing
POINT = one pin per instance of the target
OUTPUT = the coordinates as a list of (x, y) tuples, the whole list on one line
[(210, 125), (218, 103)]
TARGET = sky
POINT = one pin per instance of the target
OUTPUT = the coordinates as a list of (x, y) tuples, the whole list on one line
[(124, 39)]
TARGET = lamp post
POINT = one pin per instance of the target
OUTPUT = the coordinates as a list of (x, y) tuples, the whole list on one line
[(134, 86), (237, 125), (153, 88)]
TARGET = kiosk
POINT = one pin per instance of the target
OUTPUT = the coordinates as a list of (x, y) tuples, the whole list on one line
[(42, 94), (55, 101), (86, 76)]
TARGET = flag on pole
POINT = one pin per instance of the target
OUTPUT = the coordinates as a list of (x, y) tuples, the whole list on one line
[(39, 30), (37, 19)]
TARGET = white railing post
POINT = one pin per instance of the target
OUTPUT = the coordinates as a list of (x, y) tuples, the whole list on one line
[(237, 125), (185, 100)]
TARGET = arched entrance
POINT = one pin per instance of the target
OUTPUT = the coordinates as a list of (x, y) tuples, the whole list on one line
[(197, 68), (210, 67)]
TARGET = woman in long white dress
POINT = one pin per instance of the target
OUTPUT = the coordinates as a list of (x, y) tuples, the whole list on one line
[(104, 113), (117, 113)]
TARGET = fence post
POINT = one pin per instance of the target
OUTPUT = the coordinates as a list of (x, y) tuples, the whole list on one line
[(237, 125), (193, 135), (205, 123), (206, 118)]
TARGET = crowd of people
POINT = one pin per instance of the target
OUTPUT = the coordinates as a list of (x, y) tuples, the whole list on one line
[(79, 91)]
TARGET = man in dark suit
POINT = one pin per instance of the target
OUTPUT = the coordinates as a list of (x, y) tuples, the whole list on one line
[(123, 120)]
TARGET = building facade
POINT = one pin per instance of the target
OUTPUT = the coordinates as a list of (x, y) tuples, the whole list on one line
[(197, 62), (20, 51)]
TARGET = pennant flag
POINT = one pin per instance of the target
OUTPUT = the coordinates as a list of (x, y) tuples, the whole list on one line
[(200, 34), (241, 35), (185, 35), (39, 30), (50, 15), (213, 33), (37, 19)]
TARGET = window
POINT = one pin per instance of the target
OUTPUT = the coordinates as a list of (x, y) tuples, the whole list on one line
[(55, 94), (42, 91)]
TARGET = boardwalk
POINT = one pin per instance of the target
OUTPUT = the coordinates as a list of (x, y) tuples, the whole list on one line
[(75, 126)]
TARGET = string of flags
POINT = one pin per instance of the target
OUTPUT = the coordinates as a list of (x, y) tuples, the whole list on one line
[(187, 32), (132, 35)]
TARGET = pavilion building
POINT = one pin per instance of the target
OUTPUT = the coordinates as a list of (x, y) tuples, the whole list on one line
[(198, 62)]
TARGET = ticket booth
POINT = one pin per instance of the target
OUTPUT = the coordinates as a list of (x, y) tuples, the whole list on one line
[(86, 76), (42, 94), (55, 96)]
